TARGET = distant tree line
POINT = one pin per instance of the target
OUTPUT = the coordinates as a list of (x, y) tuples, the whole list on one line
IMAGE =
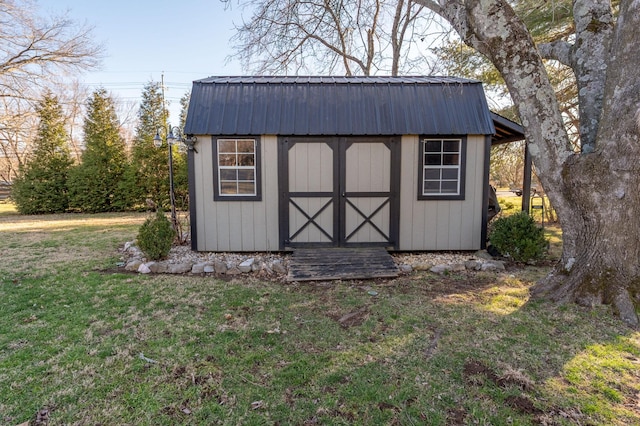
[(52, 167), (109, 177), (41, 53)]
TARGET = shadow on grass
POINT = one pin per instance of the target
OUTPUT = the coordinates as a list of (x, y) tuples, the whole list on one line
[(88, 347)]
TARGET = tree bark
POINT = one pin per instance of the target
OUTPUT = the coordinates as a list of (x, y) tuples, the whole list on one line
[(602, 239), (594, 26), (600, 265), (596, 194)]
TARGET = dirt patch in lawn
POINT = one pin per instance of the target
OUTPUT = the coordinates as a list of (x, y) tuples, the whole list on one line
[(522, 404), (353, 318), (433, 286)]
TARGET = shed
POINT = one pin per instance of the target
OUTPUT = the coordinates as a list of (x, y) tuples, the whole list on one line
[(286, 162)]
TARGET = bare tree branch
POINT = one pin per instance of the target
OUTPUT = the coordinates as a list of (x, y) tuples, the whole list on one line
[(36, 54), (34, 49), (558, 50), (318, 36)]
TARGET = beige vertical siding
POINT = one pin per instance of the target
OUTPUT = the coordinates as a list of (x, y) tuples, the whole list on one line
[(254, 225), (368, 167), (447, 224), (310, 167), (236, 225)]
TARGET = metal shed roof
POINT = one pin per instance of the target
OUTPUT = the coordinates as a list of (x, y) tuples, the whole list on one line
[(506, 130), (294, 105)]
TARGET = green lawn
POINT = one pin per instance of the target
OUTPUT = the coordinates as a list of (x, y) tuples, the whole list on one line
[(81, 343)]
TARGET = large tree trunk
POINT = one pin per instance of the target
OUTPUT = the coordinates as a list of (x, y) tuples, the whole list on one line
[(596, 194), (601, 236), (601, 257)]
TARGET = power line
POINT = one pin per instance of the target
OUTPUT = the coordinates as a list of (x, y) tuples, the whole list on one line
[(130, 85)]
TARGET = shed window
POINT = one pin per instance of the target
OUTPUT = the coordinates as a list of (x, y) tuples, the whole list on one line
[(237, 169), (441, 173)]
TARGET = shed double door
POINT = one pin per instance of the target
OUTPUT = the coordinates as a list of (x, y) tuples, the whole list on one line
[(338, 192)]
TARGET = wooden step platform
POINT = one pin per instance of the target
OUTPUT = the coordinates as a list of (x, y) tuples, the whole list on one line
[(341, 264)]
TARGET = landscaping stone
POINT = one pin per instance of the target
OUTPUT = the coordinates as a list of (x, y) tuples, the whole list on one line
[(493, 265), (278, 267), (179, 268), (133, 265), (423, 266), (483, 254), (500, 265), (198, 268), (182, 260), (488, 267), (440, 269), (246, 266), (144, 269), (266, 269), (157, 267), (132, 249), (458, 267), (473, 265), (234, 271), (405, 269), (220, 267)]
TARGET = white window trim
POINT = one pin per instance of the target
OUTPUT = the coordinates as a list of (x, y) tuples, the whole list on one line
[(460, 167), (218, 194)]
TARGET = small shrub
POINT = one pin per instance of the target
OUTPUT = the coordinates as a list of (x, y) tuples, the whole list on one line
[(156, 236), (519, 237)]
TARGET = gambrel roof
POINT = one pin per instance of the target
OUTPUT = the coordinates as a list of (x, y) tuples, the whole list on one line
[(294, 105)]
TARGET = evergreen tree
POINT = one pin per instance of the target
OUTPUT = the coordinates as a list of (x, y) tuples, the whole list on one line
[(93, 184), (180, 169), (146, 180), (41, 186)]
